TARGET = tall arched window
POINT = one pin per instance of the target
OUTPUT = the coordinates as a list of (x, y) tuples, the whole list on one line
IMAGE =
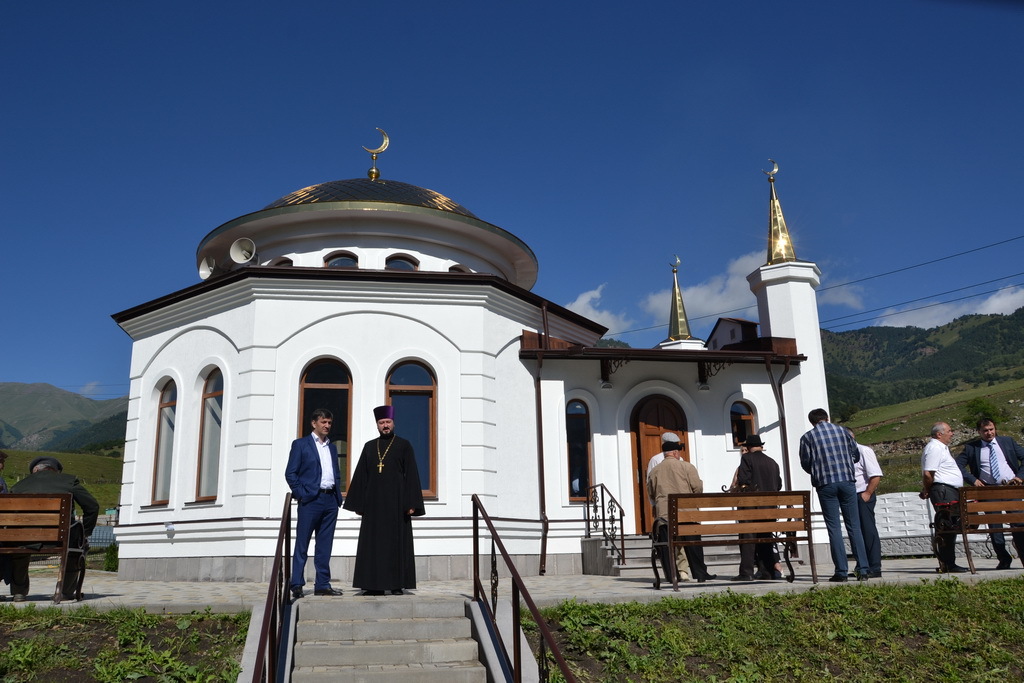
[(164, 444), (577, 436), (326, 384), (208, 474), (412, 390), (744, 422)]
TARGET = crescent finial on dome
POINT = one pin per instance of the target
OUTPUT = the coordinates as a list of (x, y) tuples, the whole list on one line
[(373, 173)]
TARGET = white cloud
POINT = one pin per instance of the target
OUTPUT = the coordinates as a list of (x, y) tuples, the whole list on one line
[(90, 389), (1004, 302), (850, 295), (719, 296), (586, 304)]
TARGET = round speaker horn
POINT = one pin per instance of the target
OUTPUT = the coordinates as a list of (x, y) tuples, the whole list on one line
[(243, 250), (207, 267)]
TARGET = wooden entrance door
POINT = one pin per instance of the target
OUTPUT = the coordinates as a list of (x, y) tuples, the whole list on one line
[(652, 417)]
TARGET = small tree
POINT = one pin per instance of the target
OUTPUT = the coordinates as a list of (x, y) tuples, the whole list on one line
[(977, 408)]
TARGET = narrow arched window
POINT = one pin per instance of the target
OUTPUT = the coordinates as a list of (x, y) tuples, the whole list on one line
[(164, 456), (327, 384), (412, 391), (577, 436), (208, 475), (744, 422), (401, 263), (341, 259)]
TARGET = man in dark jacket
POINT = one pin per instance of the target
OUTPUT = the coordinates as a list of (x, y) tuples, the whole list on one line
[(990, 461), (47, 476), (757, 472)]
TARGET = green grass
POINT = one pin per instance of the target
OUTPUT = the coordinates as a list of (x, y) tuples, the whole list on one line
[(935, 630)]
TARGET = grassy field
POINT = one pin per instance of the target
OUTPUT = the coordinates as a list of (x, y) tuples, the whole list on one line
[(932, 631), (100, 474)]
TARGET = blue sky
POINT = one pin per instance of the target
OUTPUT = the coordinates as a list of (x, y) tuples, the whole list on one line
[(608, 137)]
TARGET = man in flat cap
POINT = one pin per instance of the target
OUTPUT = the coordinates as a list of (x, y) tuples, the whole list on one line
[(757, 472), (47, 476), (385, 491), (675, 475)]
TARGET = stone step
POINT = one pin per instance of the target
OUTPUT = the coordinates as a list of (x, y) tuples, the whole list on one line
[(378, 607), (384, 629), (384, 652), (411, 673)]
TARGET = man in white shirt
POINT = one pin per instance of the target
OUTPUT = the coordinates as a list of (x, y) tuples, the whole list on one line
[(867, 474), (942, 479)]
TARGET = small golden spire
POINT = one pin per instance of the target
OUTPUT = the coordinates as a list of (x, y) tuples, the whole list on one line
[(780, 247), (373, 173), (678, 327)]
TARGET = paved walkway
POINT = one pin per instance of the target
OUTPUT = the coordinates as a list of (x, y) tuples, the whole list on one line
[(104, 591)]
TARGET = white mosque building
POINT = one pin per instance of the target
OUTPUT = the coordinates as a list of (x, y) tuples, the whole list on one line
[(357, 293)]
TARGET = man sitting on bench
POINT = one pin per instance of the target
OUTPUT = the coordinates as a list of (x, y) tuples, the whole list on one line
[(48, 477)]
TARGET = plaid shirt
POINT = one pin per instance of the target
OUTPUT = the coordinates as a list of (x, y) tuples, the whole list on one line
[(828, 452)]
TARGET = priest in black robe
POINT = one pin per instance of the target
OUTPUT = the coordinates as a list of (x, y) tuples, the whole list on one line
[(385, 490)]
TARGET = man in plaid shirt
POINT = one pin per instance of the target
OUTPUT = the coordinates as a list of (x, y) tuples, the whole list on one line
[(828, 452)]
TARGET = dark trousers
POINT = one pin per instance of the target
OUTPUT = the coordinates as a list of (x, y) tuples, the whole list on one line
[(757, 556), (694, 555), (74, 572), (320, 516), (945, 497), (869, 532)]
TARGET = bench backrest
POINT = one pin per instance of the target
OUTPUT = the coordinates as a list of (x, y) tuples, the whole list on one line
[(728, 514), (984, 505), (35, 519)]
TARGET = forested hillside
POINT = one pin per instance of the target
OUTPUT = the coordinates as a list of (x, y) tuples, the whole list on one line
[(877, 366)]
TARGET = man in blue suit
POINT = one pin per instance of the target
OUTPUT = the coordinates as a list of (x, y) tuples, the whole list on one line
[(312, 475), (980, 461)]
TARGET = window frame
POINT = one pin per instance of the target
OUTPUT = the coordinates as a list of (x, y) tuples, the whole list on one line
[(428, 483), (583, 496), (406, 258), (338, 432), (341, 254), (163, 452), (739, 419), (203, 455)]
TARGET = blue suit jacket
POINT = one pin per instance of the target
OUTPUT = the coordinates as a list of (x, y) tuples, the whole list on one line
[(303, 472), (970, 458)]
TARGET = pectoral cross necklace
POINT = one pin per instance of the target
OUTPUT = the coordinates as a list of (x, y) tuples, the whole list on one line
[(380, 458)]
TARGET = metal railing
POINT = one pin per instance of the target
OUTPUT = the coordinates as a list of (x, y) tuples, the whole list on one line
[(277, 605), (547, 642), (604, 511)]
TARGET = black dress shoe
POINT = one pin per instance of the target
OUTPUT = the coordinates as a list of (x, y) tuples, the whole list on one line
[(373, 592), (955, 569), (328, 591), (296, 592), (862, 577), (397, 591), (1004, 564), (874, 575), (742, 577), (839, 578)]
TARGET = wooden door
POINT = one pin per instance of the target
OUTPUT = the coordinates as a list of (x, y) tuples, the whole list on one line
[(652, 417)]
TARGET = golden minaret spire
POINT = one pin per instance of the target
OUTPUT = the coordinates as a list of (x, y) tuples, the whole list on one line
[(374, 172), (780, 247), (678, 327)]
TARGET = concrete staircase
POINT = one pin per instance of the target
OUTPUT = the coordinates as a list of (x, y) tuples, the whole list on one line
[(389, 638)]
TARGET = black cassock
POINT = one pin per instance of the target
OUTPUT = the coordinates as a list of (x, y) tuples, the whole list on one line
[(385, 559)]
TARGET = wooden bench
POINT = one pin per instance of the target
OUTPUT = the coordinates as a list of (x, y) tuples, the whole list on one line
[(717, 519), (981, 506), (40, 524)]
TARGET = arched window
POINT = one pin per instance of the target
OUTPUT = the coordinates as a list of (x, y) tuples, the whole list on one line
[(744, 422), (282, 262), (208, 474), (401, 263), (577, 436), (412, 390), (326, 384), (341, 259), (458, 268), (164, 444)]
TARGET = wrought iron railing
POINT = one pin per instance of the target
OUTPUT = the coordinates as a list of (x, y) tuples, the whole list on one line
[(604, 512), (265, 669), (547, 642)]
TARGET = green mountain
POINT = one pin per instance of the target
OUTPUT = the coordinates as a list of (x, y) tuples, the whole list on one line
[(876, 366), (37, 416)]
